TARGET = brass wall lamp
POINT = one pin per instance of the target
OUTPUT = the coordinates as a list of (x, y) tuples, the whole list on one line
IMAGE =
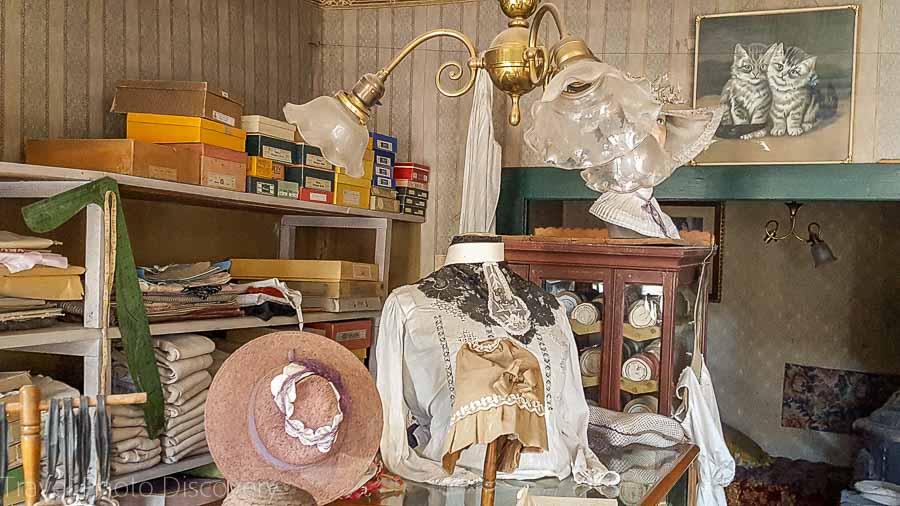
[(517, 62), (819, 249)]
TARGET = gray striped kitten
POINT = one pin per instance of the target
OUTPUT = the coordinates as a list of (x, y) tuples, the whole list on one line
[(746, 94), (795, 100)]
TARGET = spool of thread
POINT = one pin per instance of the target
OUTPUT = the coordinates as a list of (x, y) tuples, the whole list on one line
[(643, 313), (642, 404), (642, 366), (587, 313), (590, 361), (569, 300), (630, 348)]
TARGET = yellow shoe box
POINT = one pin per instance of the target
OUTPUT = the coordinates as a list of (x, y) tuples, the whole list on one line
[(368, 171), (162, 128), (260, 167), (352, 196)]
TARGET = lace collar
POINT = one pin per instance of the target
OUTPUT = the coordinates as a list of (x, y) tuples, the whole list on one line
[(465, 286)]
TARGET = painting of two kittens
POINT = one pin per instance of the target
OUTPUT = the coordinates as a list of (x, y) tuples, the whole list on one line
[(774, 91), (785, 79)]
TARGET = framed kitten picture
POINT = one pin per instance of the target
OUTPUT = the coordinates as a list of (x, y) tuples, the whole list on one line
[(787, 81), (706, 217)]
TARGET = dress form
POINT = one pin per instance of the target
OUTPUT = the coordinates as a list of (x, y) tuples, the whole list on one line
[(472, 300)]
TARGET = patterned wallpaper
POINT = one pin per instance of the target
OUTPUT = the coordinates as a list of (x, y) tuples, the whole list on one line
[(61, 59), (648, 37), (777, 308), (781, 310)]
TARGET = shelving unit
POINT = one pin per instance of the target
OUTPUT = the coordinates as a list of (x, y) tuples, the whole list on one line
[(160, 470), (23, 181)]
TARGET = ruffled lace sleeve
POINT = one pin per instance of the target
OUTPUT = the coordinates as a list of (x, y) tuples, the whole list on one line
[(586, 467), (398, 457)]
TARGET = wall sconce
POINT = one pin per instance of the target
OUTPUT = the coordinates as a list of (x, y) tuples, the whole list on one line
[(819, 249)]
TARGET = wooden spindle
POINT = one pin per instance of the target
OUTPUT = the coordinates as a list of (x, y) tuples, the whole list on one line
[(490, 474), (30, 420), (111, 400)]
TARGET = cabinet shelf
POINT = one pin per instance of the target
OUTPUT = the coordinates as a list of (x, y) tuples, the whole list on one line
[(639, 387)]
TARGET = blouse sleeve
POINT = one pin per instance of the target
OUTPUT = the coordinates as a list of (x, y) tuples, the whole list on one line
[(398, 457), (586, 467)]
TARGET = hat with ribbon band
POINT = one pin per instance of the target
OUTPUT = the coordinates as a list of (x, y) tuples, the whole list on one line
[(295, 408)]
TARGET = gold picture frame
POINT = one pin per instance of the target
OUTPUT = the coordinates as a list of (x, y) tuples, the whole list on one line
[(708, 217), (826, 135)]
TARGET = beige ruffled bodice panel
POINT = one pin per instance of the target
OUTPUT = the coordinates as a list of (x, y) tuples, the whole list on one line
[(499, 394)]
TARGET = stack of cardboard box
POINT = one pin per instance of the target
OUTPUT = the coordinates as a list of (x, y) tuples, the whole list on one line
[(179, 131), (412, 187), (270, 146), (313, 174), (384, 153), (327, 285)]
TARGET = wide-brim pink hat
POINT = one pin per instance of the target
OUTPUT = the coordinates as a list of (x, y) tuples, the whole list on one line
[(296, 408)]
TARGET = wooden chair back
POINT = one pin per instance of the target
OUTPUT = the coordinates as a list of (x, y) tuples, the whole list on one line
[(29, 409)]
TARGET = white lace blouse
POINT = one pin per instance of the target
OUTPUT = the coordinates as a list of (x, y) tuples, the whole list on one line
[(422, 328)]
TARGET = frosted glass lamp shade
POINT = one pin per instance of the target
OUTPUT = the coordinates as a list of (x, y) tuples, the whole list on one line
[(324, 122)]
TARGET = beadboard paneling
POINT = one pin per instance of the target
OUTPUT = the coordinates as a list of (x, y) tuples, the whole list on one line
[(60, 59)]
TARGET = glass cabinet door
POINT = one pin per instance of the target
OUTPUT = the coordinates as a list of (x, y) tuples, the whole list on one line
[(641, 355), (581, 292), (689, 300)]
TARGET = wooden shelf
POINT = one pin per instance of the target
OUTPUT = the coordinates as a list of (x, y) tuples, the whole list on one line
[(83, 339), (160, 470), (248, 322), (37, 181), (58, 334), (639, 387)]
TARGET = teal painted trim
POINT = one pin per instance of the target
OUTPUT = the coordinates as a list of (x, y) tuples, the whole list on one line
[(848, 182)]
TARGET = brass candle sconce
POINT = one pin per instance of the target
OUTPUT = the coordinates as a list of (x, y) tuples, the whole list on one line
[(819, 249)]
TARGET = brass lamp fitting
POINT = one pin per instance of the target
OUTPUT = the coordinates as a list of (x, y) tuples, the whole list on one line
[(516, 62)]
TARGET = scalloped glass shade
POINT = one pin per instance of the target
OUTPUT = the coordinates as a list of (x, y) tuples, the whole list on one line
[(324, 122), (586, 130)]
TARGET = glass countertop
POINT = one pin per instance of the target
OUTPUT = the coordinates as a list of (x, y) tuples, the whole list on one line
[(648, 476)]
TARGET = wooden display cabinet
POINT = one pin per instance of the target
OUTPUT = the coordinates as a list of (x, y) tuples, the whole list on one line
[(648, 300)]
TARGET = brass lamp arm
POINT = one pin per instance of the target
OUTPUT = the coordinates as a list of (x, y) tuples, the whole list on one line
[(367, 92), (539, 16)]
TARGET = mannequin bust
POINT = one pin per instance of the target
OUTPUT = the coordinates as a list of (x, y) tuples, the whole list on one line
[(468, 346)]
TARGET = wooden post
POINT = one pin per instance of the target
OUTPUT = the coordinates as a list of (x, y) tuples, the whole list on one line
[(30, 420), (490, 474)]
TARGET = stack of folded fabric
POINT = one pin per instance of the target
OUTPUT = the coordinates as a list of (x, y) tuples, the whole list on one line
[(184, 361), (131, 448), (188, 291), (30, 276)]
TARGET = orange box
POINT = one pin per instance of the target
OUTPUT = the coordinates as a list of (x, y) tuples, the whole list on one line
[(219, 167), (353, 334), (277, 171)]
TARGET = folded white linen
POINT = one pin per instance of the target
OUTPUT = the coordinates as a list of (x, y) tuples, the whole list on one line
[(134, 456), (182, 346), (119, 468), (188, 451), (173, 371), (183, 390), (169, 440), (173, 410), (176, 421), (123, 433), (186, 445), (126, 410), (138, 443)]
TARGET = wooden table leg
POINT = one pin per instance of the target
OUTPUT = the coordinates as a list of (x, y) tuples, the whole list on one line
[(30, 420), (490, 474), (693, 483)]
